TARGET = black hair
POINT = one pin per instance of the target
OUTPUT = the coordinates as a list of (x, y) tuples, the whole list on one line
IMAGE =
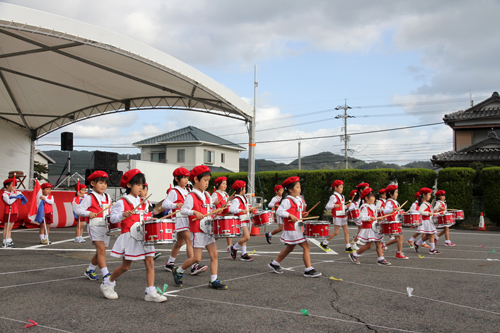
[(218, 185), (357, 196), (437, 196), (7, 184), (97, 180), (145, 186), (420, 198), (390, 194), (286, 190), (176, 183), (378, 196), (369, 195), (238, 191), (201, 175), (137, 179)]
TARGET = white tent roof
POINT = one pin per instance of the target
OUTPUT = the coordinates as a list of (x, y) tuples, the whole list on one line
[(55, 71)]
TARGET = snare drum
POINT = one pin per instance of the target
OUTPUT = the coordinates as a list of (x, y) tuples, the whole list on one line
[(458, 214), (160, 231), (445, 220), (353, 215), (262, 218), (226, 226), (113, 229), (206, 225), (316, 229), (412, 219), (391, 228)]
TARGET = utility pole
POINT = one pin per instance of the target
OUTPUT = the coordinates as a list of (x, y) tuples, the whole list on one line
[(251, 139), (346, 137), (300, 163)]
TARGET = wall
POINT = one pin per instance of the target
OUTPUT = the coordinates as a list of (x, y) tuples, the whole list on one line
[(232, 157), (15, 149)]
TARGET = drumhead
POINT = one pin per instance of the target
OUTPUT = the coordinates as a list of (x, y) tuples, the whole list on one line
[(316, 222)]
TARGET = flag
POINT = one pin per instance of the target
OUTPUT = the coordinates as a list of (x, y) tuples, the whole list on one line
[(35, 198)]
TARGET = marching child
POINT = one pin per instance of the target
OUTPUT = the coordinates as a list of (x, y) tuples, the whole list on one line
[(292, 211), (337, 205), (79, 195), (274, 204), (174, 201), (382, 199), (239, 207), (392, 207), (11, 211), (220, 198), (147, 209), (441, 208), (196, 206), (368, 215), (414, 208), (355, 205), (427, 229), (129, 246), (47, 200), (95, 207)]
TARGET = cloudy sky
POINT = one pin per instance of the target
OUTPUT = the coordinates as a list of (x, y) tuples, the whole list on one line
[(395, 63)]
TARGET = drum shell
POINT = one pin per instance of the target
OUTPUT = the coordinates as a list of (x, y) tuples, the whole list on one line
[(391, 228), (412, 219), (226, 227), (458, 214), (159, 232), (317, 229), (263, 218), (113, 229), (445, 220), (353, 215)]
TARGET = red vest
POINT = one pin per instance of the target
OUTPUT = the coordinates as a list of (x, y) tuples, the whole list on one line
[(392, 217), (382, 205), (199, 206), (145, 207), (78, 200), (97, 206), (129, 221), (295, 210), (180, 199), (243, 204), (427, 209), (12, 208), (337, 211), (221, 203), (371, 213), (278, 201), (48, 207), (442, 207)]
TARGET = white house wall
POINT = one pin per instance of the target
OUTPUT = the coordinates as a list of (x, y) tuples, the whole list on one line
[(232, 161)]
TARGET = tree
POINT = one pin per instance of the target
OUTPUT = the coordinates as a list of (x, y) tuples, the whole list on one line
[(40, 169)]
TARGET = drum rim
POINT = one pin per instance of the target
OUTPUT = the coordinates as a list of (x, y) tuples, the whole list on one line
[(316, 222)]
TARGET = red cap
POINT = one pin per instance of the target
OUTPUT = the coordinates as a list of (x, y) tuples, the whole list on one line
[(80, 186), (219, 180), (127, 177), (290, 180), (353, 193), (365, 192), (238, 184), (417, 195), (98, 174), (46, 185), (425, 190), (10, 180), (391, 188), (337, 183), (362, 185), (181, 172), (277, 188), (381, 191), (146, 185), (440, 192), (198, 170)]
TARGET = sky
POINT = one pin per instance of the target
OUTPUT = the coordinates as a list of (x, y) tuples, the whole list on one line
[(395, 63)]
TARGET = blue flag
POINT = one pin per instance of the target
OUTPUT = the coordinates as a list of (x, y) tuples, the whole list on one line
[(40, 213), (21, 197)]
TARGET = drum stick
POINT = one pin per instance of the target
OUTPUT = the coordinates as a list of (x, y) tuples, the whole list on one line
[(310, 218), (313, 207), (143, 201), (107, 208)]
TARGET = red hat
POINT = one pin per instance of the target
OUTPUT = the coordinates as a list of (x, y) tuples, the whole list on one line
[(353, 193), (146, 185), (181, 172), (80, 186), (10, 180), (424, 190), (362, 185), (238, 184), (198, 170), (127, 177), (290, 180), (98, 174), (219, 180), (440, 192), (277, 188), (337, 183), (366, 192), (391, 188), (381, 191), (417, 195), (46, 185)]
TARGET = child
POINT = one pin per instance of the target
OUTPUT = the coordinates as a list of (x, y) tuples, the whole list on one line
[(392, 207), (356, 204), (414, 208), (239, 207), (291, 211), (10, 211), (219, 198), (368, 215), (337, 205), (126, 246), (79, 195), (441, 208), (89, 207), (147, 209), (47, 200), (174, 201), (274, 204), (382, 196), (196, 205), (427, 229)]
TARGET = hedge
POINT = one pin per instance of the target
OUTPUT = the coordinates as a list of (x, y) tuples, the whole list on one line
[(457, 182), (412, 180), (490, 178)]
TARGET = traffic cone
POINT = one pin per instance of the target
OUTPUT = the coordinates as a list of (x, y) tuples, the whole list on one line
[(481, 223), (255, 232)]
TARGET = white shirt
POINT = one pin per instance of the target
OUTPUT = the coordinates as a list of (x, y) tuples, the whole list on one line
[(354, 205), (437, 207), (286, 205), (234, 207), (275, 200), (379, 203), (81, 209), (422, 208), (224, 195), (187, 209), (118, 208), (413, 207), (7, 199), (47, 200), (169, 202), (364, 212), (390, 205), (335, 200)]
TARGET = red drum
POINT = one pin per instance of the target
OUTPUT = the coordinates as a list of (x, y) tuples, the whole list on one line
[(226, 226), (262, 218), (353, 215), (113, 229), (317, 229), (458, 214), (391, 228), (445, 220), (412, 219), (159, 232)]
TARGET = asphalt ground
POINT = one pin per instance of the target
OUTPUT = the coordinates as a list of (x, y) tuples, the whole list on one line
[(457, 291)]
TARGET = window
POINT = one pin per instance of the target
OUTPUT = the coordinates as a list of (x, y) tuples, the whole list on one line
[(181, 155), (209, 156), (223, 158), (158, 157)]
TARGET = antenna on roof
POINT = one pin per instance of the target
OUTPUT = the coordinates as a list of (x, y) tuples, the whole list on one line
[(470, 98)]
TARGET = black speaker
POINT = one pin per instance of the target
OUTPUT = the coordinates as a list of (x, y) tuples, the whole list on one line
[(113, 180), (104, 160), (67, 141)]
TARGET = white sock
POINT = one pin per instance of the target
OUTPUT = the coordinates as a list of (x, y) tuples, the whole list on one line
[(355, 253), (419, 242), (108, 283), (348, 245), (423, 243), (436, 237), (104, 271), (433, 246), (325, 242), (171, 260), (150, 289), (9, 240), (45, 236), (392, 237), (447, 241), (4, 241), (309, 268), (41, 236), (213, 278), (92, 267), (380, 258), (275, 263), (236, 246), (412, 239), (180, 270), (243, 250)]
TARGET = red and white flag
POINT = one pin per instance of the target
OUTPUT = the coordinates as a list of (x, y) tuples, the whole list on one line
[(37, 192)]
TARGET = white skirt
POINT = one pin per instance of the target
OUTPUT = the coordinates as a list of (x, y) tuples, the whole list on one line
[(181, 224), (358, 222), (131, 249), (98, 234), (368, 235), (427, 227), (292, 237)]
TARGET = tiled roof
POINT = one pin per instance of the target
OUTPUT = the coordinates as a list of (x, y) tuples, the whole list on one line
[(474, 153), (478, 111), (189, 133)]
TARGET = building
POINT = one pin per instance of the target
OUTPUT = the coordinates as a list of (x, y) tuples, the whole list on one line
[(44, 160), (475, 135), (191, 146)]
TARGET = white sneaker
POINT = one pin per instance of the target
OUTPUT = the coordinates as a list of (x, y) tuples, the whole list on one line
[(154, 297), (354, 246), (82, 240), (77, 240), (360, 243), (108, 291)]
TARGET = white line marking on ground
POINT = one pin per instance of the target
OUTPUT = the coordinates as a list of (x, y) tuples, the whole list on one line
[(48, 268), (38, 325), (54, 243)]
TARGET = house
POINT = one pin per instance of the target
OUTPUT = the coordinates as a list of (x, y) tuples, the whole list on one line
[(191, 146), (475, 135), (44, 160)]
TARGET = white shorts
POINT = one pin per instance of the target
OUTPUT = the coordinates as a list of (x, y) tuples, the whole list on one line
[(427, 227), (339, 221), (181, 223), (201, 240), (131, 249), (98, 234), (279, 219), (292, 237)]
